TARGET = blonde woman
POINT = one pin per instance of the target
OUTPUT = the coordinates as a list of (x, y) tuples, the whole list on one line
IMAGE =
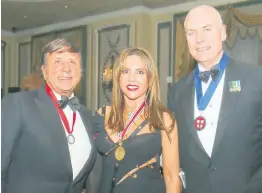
[(135, 130)]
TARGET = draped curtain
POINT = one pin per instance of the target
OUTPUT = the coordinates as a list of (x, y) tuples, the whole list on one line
[(184, 62), (244, 32), (242, 24)]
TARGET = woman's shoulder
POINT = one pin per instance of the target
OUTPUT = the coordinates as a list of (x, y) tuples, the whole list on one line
[(168, 116), (168, 120)]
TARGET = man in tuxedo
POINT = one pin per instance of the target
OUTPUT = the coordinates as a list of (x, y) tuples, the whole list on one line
[(218, 108), (47, 145)]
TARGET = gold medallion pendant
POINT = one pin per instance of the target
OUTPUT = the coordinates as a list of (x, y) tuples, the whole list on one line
[(120, 152)]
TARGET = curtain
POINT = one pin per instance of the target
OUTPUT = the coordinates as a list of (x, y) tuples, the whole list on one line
[(242, 24), (184, 62), (247, 49)]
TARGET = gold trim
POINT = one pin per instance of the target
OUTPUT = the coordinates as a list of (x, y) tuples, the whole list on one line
[(133, 174)]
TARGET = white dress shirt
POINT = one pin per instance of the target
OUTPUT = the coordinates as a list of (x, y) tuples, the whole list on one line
[(81, 149), (211, 113)]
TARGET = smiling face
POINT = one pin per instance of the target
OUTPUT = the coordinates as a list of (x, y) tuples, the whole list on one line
[(133, 79), (205, 33), (62, 70)]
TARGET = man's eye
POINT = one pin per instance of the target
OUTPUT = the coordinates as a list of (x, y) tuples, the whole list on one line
[(72, 62), (190, 33), (207, 29), (57, 61)]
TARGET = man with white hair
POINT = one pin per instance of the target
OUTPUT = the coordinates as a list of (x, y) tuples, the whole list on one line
[(218, 108)]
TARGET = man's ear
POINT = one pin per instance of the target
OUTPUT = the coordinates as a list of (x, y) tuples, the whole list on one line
[(43, 69)]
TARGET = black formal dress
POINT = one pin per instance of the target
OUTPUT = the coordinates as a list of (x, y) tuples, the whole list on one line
[(139, 149)]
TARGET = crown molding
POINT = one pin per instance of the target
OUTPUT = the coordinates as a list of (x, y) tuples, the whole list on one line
[(7, 33), (184, 7)]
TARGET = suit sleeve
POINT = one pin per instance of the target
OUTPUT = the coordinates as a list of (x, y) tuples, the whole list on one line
[(93, 181), (171, 99), (254, 185), (10, 132)]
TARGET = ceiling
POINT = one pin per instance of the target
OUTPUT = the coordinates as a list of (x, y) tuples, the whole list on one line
[(18, 15)]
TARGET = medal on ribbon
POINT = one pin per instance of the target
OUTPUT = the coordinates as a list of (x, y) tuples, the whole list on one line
[(120, 150), (70, 137), (200, 123), (203, 100)]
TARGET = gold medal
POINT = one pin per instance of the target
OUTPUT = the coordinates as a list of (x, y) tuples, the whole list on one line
[(120, 152)]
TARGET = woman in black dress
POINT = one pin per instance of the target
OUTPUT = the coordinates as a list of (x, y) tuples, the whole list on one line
[(136, 130)]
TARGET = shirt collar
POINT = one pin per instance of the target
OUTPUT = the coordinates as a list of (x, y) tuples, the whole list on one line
[(58, 96), (202, 69)]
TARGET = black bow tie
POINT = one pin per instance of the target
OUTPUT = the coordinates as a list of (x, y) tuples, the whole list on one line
[(73, 103), (204, 76)]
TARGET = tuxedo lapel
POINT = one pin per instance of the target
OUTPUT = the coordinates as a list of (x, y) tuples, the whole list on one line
[(86, 118), (187, 105), (54, 126), (229, 102)]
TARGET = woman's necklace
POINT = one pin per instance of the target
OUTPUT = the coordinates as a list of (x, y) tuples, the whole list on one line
[(120, 150), (128, 112)]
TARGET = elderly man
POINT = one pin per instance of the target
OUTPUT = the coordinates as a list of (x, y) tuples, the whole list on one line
[(46, 134), (218, 108)]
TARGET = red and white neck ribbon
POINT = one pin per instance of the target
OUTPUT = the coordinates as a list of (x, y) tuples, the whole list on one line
[(132, 119)]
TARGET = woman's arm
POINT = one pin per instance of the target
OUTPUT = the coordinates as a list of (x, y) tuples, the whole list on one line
[(170, 157)]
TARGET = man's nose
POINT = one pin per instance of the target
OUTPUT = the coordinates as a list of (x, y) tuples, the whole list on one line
[(66, 67), (200, 38)]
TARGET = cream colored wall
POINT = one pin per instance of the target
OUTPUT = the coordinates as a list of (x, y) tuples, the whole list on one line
[(155, 20)]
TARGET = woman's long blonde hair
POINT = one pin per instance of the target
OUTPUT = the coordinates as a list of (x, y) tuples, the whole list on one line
[(154, 108)]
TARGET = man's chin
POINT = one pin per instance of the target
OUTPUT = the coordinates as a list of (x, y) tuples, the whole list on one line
[(202, 59), (63, 88)]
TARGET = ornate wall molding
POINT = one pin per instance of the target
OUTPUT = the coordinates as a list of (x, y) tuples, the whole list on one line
[(111, 40)]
